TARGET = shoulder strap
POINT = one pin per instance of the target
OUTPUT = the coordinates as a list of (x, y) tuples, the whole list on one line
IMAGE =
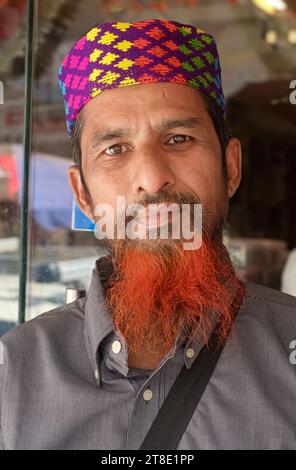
[(183, 398)]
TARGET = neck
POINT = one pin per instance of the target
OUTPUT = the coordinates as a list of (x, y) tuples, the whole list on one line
[(144, 360)]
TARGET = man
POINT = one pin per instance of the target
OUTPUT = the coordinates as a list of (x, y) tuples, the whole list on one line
[(145, 110)]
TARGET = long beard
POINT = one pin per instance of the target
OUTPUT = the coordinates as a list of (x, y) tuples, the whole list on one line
[(155, 294)]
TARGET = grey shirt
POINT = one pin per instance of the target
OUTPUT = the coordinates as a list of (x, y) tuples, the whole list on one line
[(65, 381)]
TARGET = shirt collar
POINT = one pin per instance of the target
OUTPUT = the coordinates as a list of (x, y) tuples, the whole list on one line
[(98, 319)]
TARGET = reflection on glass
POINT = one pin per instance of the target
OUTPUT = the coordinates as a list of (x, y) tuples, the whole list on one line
[(12, 49)]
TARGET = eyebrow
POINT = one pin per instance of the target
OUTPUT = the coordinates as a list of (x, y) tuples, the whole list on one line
[(106, 136), (168, 124), (164, 125)]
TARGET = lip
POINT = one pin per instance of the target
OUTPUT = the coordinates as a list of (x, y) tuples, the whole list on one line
[(152, 221)]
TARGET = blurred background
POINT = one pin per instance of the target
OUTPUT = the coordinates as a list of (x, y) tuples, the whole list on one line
[(257, 45)]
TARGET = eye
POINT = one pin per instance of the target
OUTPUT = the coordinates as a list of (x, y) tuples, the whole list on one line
[(180, 138), (114, 149)]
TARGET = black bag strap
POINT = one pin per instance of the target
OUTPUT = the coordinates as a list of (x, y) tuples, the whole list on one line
[(183, 397)]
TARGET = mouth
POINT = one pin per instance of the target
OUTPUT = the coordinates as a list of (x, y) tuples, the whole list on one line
[(158, 216)]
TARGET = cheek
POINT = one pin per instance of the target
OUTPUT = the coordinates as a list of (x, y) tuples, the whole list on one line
[(105, 188), (203, 176), (206, 181), (104, 181)]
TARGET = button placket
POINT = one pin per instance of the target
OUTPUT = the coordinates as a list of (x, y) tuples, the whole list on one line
[(144, 411)]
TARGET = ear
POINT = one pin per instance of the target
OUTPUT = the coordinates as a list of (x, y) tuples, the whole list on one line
[(80, 193), (234, 165)]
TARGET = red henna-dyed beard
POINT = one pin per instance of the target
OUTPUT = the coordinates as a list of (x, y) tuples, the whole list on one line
[(158, 289)]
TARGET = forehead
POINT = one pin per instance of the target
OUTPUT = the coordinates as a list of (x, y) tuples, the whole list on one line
[(151, 101)]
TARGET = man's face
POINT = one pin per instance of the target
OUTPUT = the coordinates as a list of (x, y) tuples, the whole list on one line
[(141, 140), (144, 143)]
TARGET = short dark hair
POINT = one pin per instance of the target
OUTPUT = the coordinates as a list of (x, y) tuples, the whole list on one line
[(219, 121), (76, 150), (222, 128)]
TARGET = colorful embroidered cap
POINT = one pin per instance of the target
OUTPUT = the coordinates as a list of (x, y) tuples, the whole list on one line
[(114, 55)]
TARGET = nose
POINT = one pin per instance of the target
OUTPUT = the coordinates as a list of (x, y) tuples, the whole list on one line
[(152, 174)]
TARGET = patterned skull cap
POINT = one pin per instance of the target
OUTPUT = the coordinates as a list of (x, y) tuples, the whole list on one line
[(114, 55)]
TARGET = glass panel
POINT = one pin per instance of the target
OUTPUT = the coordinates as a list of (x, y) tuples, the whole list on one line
[(59, 257), (12, 53), (257, 48)]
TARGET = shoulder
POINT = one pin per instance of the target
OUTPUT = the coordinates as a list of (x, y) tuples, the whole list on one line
[(269, 311), (53, 323), (270, 298), (36, 353)]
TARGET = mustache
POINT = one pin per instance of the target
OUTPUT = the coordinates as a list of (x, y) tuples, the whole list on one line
[(172, 196), (168, 198)]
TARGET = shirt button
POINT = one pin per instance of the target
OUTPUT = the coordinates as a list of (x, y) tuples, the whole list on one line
[(116, 347), (190, 353), (147, 395), (97, 375)]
